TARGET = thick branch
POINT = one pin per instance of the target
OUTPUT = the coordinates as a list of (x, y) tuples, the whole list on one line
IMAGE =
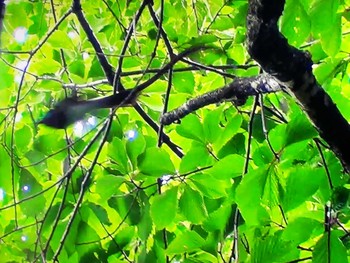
[(237, 91), (294, 68)]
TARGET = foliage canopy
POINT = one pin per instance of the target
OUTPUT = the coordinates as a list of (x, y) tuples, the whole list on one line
[(105, 191)]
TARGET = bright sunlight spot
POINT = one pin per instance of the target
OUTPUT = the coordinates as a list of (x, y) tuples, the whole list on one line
[(84, 126), (131, 135), (21, 65), (20, 34), (25, 188), (2, 194), (92, 121), (165, 179), (85, 55), (79, 128), (18, 117), (24, 238), (72, 34)]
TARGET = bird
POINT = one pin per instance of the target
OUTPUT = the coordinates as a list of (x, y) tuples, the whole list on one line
[(70, 110)]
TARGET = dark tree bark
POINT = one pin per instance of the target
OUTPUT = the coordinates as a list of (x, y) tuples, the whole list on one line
[(293, 68)]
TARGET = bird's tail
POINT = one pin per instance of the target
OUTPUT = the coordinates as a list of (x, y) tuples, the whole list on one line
[(121, 99)]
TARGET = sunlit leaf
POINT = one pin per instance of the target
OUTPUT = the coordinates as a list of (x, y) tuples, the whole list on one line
[(164, 207)]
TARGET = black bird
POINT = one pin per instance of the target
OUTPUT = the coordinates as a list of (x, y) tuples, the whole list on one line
[(71, 110)]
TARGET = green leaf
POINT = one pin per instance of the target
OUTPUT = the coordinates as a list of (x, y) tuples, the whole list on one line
[(230, 166), (197, 156), (211, 123), (60, 39), (127, 207), (28, 186), (295, 230), (332, 38), (302, 183), (191, 128), (228, 132), (263, 155), (323, 14), (218, 219), (77, 67), (299, 129), (164, 207), (340, 198), (248, 196), (210, 186), (184, 82), (135, 147), (116, 150), (330, 247), (273, 249), (24, 137), (237, 52), (107, 185), (187, 241), (155, 162), (192, 205), (296, 25), (100, 212), (45, 66)]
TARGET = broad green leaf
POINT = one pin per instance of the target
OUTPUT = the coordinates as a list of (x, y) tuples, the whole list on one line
[(60, 39), (332, 38), (340, 198), (222, 23), (5, 171), (211, 126), (209, 186), (323, 14), (228, 132), (201, 256), (184, 82), (127, 207), (217, 220), (197, 156), (329, 246), (248, 196), (164, 208), (263, 155), (28, 186), (302, 183), (135, 147), (203, 39), (236, 145), (230, 166), (191, 128), (108, 185), (77, 68), (116, 151), (326, 69), (295, 230), (23, 138), (155, 162), (296, 25), (299, 129), (237, 52), (125, 236), (144, 228), (192, 206), (187, 241), (45, 66), (100, 212), (89, 233), (273, 249)]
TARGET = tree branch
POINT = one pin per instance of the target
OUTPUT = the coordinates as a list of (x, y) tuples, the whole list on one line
[(293, 68), (237, 91)]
